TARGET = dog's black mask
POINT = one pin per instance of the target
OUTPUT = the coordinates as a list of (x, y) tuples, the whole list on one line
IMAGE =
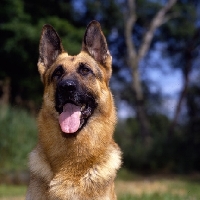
[(69, 91)]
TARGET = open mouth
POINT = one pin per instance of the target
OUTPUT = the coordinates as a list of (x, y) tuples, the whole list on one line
[(73, 115)]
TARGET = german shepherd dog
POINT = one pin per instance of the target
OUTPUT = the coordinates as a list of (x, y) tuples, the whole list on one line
[(76, 156)]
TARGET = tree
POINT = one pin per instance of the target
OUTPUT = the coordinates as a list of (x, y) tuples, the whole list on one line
[(183, 46), (188, 57), (134, 56), (20, 28)]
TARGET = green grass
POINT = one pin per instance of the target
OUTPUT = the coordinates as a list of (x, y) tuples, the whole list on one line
[(157, 187), (176, 189), (12, 191), (155, 196)]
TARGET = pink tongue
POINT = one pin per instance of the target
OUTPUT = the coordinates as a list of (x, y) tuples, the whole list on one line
[(69, 119)]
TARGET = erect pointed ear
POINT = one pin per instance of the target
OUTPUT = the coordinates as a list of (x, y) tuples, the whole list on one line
[(94, 42), (49, 48)]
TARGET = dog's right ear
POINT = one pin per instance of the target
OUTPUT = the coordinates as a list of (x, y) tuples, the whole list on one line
[(49, 48)]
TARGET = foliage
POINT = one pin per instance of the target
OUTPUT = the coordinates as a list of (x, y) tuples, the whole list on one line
[(20, 33), (135, 154), (18, 137), (176, 154)]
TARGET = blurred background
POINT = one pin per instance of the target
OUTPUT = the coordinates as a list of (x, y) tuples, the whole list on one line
[(155, 46)]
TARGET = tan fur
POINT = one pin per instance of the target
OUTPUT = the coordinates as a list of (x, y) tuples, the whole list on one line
[(84, 166)]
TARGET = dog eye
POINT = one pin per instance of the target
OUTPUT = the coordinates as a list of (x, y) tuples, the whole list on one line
[(59, 71), (84, 70)]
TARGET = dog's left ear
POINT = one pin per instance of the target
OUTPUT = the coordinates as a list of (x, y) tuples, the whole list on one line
[(94, 42), (49, 48)]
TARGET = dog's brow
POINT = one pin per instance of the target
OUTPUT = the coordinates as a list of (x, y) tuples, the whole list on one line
[(97, 71)]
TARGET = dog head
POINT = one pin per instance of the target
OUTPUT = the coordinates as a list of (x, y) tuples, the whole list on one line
[(75, 86)]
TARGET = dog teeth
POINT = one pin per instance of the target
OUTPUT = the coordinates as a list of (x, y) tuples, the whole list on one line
[(83, 107)]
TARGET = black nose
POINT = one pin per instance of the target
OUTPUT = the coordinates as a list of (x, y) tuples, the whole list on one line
[(67, 86)]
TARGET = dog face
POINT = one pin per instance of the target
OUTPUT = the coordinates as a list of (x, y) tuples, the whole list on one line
[(76, 87)]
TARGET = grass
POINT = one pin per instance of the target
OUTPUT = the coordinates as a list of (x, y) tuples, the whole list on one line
[(133, 187), (157, 187), (11, 192), (172, 189)]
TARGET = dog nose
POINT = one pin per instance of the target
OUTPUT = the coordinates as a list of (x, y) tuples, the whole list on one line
[(67, 86), (70, 85)]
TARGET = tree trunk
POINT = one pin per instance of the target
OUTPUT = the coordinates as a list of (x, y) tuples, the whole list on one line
[(5, 91), (134, 57), (140, 103)]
